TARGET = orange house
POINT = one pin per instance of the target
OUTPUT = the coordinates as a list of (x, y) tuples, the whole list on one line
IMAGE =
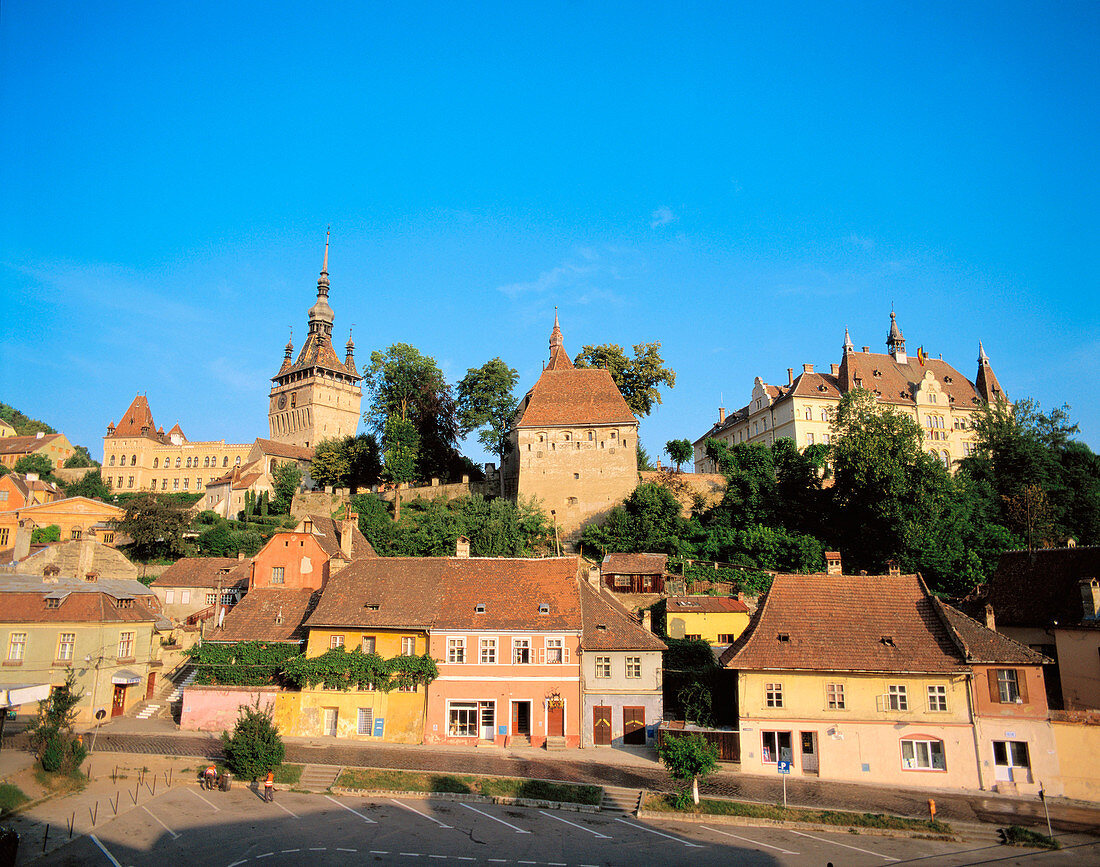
[(18, 490)]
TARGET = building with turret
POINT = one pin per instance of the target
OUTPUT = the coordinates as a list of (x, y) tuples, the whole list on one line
[(316, 397), (573, 443), (929, 390)]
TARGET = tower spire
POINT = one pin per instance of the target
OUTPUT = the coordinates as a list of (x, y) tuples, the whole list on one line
[(555, 335), (848, 347), (324, 265), (895, 341), (982, 357)]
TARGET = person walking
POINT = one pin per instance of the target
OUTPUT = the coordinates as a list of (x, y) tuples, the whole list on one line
[(269, 787), (209, 777)]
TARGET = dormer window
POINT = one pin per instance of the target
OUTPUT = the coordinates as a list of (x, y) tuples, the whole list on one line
[(124, 603), (859, 382), (53, 602), (948, 379), (784, 637), (307, 526), (544, 608), (876, 373), (89, 577), (479, 608), (887, 641), (372, 606)]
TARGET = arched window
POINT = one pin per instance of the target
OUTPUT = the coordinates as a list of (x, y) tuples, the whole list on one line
[(238, 461), (567, 436), (112, 461), (178, 461), (133, 460), (156, 463), (824, 415), (225, 461), (206, 461), (809, 414)]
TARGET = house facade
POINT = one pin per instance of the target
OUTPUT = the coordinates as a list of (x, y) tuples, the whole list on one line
[(75, 517), (18, 490), (717, 620), (634, 573), (190, 586), (54, 446)]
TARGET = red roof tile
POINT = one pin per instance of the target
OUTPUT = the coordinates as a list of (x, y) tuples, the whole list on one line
[(284, 450), (634, 564), (137, 417), (204, 572), (571, 396), (266, 614), (25, 445), (705, 605), (609, 626)]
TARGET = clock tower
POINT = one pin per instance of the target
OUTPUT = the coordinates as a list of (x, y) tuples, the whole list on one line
[(317, 396)]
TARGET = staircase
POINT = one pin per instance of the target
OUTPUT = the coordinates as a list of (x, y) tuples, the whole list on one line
[(319, 778), (150, 709), (554, 742), (189, 678), (619, 800)]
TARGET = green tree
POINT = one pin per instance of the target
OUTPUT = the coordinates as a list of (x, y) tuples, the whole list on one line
[(24, 425), (401, 444), (679, 452), (365, 462), (45, 535), (51, 734), (331, 464), (638, 378), (486, 403), (255, 747), (156, 528), (36, 463), (285, 479), (645, 462), (688, 757), (648, 520), (80, 458), (410, 386), (91, 486)]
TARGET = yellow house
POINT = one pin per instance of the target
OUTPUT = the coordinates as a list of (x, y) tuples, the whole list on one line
[(77, 518), (717, 620), (396, 716), (54, 446)]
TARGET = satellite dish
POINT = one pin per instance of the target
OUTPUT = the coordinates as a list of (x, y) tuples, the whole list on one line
[(100, 714)]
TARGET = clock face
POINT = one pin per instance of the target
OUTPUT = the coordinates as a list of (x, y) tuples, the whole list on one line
[(282, 401)]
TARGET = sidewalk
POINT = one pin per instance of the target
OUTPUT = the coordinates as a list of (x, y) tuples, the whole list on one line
[(634, 768)]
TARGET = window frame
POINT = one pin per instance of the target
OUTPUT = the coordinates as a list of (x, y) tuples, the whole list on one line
[(408, 645), (773, 694), (767, 757), (937, 698), (633, 667), (335, 641), (278, 574), (487, 651), (603, 667), (897, 697), (126, 642), (456, 650), (834, 696), (363, 644), (465, 708), (928, 742), (521, 644), (558, 644), (62, 644), (16, 640)]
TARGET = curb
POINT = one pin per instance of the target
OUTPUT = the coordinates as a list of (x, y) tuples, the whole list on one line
[(462, 796), (753, 822)]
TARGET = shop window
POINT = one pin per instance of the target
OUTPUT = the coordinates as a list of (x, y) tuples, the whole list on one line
[(775, 746)]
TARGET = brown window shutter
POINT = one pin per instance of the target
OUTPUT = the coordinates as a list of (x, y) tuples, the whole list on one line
[(994, 689), (1021, 683)]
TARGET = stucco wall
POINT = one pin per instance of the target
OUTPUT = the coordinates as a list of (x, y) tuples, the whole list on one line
[(1079, 667), (707, 625), (215, 708), (1078, 743), (654, 710)]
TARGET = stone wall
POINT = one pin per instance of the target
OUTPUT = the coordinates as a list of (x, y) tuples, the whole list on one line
[(686, 487)]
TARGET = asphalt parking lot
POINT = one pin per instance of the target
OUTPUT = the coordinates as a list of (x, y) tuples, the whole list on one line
[(187, 826)]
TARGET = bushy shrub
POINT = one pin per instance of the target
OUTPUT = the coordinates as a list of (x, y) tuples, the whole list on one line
[(255, 747), (53, 755)]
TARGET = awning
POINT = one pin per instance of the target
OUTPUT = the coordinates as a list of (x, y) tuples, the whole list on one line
[(13, 696), (125, 678)]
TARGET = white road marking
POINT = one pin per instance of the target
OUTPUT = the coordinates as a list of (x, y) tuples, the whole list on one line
[(367, 819), (317, 849), (339, 849), (211, 806), (285, 851), (411, 854), (422, 815), (575, 825), (495, 819), (266, 855), (285, 810), (175, 836), (845, 845), (378, 851), (103, 849), (658, 833), (235, 863), (747, 840)]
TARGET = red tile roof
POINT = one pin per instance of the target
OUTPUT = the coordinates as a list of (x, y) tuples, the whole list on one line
[(570, 396), (705, 605), (268, 614), (634, 564), (284, 450), (205, 572), (327, 532), (135, 418), (25, 445), (895, 382), (317, 351), (1034, 588), (982, 645), (609, 626), (396, 592), (874, 623)]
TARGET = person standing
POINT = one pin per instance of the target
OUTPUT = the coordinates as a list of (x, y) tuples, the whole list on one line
[(269, 787)]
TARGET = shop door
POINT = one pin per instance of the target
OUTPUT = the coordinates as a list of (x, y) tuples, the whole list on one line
[(809, 752), (555, 720), (151, 686), (601, 726), (118, 703), (634, 726), (488, 720), (331, 715), (521, 718)]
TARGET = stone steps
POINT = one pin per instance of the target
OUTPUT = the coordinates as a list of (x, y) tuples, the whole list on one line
[(149, 710), (319, 778), (619, 800), (177, 693)]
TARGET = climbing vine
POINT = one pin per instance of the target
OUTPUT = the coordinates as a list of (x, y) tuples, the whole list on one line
[(242, 663), (343, 670)]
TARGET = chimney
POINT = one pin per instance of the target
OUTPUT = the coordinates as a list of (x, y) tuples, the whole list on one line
[(807, 368), (990, 620), (721, 415), (892, 568), (1090, 597), (866, 348), (31, 477), (594, 577), (39, 435), (462, 547), (790, 376), (22, 541), (240, 555), (647, 620), (832, 563), (834, 369), (347, 531)]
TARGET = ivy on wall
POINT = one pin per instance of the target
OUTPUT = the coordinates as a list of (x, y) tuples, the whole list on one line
[(243, 663), (343, 670)]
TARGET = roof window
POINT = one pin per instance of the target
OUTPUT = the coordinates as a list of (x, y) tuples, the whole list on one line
[(785, 637), (53, 602), (948, 379), (876, 373), (479, 608), (544, 608), (372, 606), (125, 602), (887, 641), (601, 627)]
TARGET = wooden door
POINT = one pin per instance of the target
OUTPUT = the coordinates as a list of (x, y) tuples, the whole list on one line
[(521, 718), (330, 721), (634, 725), (555, 720), (118, 703), (151, 686), (601, 726)]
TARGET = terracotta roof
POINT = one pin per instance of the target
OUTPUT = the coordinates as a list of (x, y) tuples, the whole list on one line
[(327, 533), (24, 445), (608, 626), (705, 605), (239, 478), (23, 600), (135, 418), (982, 645), (571, 396), (317, 351), (25, 486), (176, 429), (895, 382), (204, 572), (394, 592), (1034, 588), (814, 385), (284, 450), (634, 564), (559, 359), (267, 614), (879, 623)]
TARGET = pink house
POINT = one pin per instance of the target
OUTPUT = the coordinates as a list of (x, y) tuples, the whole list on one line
[(506, 641)]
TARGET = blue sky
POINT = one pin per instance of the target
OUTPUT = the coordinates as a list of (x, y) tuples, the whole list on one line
[(738, 181)]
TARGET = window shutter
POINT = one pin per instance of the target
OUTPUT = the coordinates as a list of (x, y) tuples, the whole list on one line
[(1021, 683), (994, 689), (565, 655), (542, 656)]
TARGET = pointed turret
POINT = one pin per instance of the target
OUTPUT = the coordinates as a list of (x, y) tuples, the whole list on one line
[(895, 342), (986, 381), (848, 346), (349, 358), (559, 359), (320, 314)]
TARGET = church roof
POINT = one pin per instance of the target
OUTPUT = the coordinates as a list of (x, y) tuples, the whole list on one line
[(317, 351)]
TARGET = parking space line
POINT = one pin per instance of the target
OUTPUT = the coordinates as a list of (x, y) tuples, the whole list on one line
[(367, 819), (341, 849), (103, 849), (658, 833), (495, 819), (211, 806), (285, 810), (747, 840), (236, 863), (845, 845), (422, 815), (175, 836), (575, 825)]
